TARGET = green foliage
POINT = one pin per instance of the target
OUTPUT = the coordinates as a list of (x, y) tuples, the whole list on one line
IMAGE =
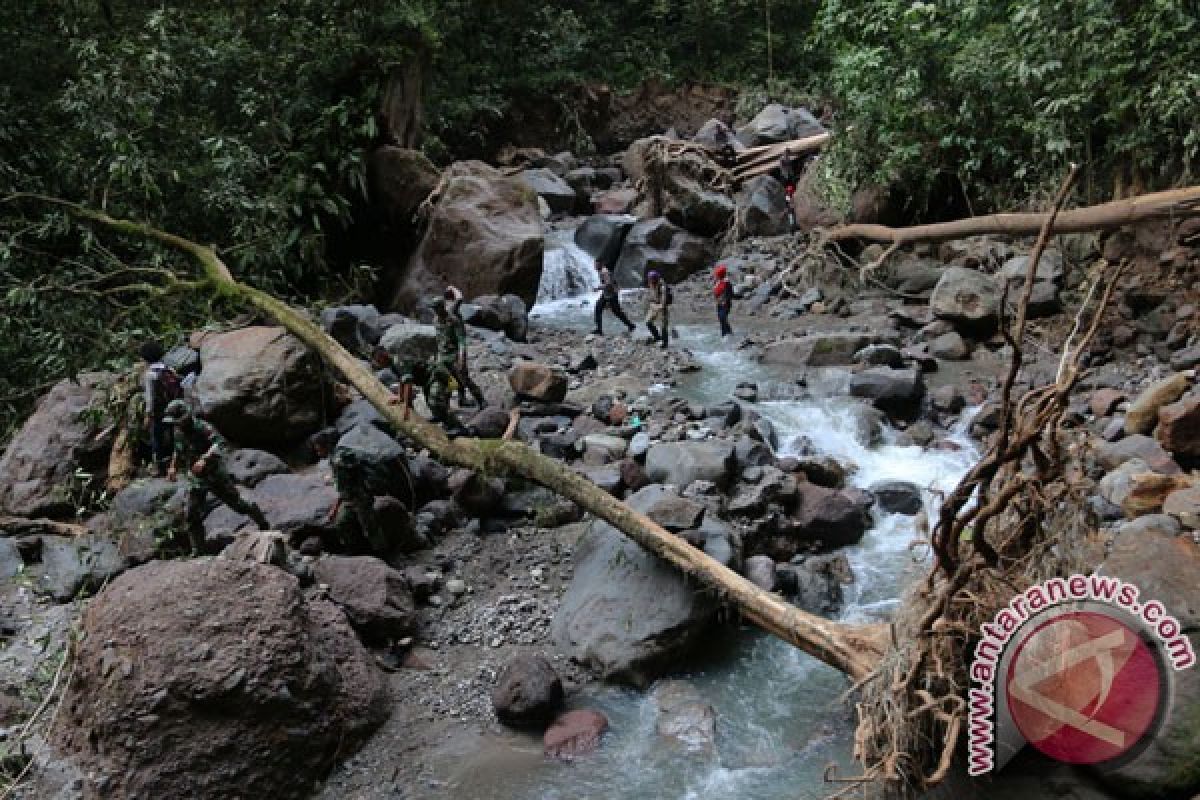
[(1004, 95)]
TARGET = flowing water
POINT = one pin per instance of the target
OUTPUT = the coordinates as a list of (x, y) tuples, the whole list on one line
[(780, 721)]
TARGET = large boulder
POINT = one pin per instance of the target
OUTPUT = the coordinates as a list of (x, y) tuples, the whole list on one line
[(559, 195), (692, 205), (1167, 569), (685, 718), (894, 391), (528, 692), (626, 613), (37, 471), (1179, 427), (484, 236), (658, 244), (762, 208), (215, 678), (374, 597), (716, 134), (260, 386), (248, 467), (680, 463), (778, 123), (818, 349), (410, 341), (967, 299), (386, 461)]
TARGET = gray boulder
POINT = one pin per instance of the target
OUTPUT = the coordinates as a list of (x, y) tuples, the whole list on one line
[(894, 391), (716, 134), (260, 386), (1111, 455), (658, 244), (375, 597), (762, 207), (778, 123), (815, 584), (73, 566), (507, 314), (898, 497), (37, 470), (968, 299), (296, 505), (680, 463), (760, 570), (602, 235), (410, 341), (558, 194), (248, 467), (833, 517), (385, 457), (818, 349), (626, 613), (528, 692), (1049, 268), (668, 508)]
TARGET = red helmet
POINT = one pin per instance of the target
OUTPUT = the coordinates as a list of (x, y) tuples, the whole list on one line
[(721, 271)]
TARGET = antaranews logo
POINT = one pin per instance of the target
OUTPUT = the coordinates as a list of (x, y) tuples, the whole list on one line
[(1079, 667)]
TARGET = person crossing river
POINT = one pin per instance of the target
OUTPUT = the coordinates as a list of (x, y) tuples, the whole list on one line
[(610, 298)]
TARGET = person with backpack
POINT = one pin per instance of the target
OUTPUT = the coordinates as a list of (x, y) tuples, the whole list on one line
[(199, 448), (451, 333), (160, 385), (723, 293), (656, 314), (610, 298), (355, 502)]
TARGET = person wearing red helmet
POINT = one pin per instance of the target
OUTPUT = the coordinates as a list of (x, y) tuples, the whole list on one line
[(723, 293)]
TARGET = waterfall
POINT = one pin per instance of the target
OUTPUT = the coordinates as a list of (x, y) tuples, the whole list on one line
[(567, 271)]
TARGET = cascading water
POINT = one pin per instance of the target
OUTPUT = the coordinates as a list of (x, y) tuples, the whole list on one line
[(780, 720), (568, 273)]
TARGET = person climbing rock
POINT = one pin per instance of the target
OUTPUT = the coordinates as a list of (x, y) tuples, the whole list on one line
[(435, 381), (452, 345), (723, 293), (353, 514), (382, 364), (200, 447), (657, 315), (160, 385), (789, 174), (610, 298)]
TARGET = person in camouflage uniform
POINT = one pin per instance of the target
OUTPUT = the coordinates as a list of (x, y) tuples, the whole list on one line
[(199, 446), (355, 501), (434, 380), (452, 345)]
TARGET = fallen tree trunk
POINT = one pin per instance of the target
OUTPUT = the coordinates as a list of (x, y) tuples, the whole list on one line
[(760, 160), (21, 526), (852, 649), (1159, 205)]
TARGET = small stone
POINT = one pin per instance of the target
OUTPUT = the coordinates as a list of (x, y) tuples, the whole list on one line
[(456, 587)]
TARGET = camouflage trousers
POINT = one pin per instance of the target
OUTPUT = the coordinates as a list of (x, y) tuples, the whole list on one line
[(359, 507), (219, 483), (437, 397)]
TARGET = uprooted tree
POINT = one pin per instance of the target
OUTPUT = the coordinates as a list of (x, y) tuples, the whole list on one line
[(1011, 522)]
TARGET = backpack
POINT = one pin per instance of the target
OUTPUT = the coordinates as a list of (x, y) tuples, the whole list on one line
[(167, 385), (668, 295)]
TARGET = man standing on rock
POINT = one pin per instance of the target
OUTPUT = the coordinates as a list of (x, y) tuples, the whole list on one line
[(434, 379), (610, 298), (452, 345), (656, 313), (199, 446), (160, 385)]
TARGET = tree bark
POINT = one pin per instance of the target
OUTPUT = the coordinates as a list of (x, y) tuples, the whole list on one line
[(852, 649), (1106, 216), (760, 160), (21, 526)]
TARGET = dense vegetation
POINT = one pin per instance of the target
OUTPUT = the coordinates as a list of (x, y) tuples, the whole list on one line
[(246, 122)]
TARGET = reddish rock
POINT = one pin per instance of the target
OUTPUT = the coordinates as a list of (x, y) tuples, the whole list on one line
[(614, 201), (574, 733), (1179, 427), (1104, 401), (1143, 411)]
